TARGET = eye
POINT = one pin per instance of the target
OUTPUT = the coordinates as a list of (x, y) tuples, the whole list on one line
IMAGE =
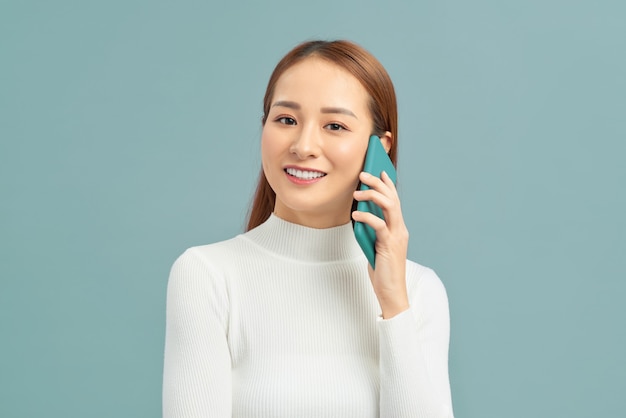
[(285, 120), (336, 127)]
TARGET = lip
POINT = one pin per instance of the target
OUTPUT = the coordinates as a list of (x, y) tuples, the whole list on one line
[(302, 182)]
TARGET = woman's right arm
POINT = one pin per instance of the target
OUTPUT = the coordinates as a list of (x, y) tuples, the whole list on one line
[(197, 366)]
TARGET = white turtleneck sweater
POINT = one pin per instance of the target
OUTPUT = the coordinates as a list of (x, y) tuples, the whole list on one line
[(282, 321)]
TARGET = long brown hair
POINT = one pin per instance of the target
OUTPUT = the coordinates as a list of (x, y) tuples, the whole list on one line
[(362, 65)]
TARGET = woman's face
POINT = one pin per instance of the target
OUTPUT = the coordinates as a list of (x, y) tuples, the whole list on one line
[(314, 142)]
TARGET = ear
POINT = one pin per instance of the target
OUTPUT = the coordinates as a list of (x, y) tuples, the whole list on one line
[(386, 140)]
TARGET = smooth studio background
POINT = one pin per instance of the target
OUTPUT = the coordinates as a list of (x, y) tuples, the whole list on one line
[(129, 130)]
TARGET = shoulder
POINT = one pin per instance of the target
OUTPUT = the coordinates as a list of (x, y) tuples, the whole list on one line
[(199, 276), (424, 285), (197, 287), (422, 276), (205, 265), (216, 262), (213, 257)]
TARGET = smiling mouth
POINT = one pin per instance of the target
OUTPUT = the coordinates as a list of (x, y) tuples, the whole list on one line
[(304, 174)]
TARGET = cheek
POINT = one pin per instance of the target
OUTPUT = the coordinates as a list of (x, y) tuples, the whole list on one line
[(274, 145), (266, 154), (350, 155), (269, 146)]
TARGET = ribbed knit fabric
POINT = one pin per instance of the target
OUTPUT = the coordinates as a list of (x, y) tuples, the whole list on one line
[(282, 321)]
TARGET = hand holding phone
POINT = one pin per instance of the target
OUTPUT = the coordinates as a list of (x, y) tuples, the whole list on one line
[(376, 161)]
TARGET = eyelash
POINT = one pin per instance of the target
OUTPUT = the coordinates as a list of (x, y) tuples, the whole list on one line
[(338, 125), (286, 120)]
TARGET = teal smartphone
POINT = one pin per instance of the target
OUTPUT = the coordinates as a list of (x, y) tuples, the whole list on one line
[(376, 161)]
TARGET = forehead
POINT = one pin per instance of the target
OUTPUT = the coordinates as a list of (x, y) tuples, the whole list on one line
[(320, 79)]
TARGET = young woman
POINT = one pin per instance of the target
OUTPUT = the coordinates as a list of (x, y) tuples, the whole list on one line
[(288, 319)]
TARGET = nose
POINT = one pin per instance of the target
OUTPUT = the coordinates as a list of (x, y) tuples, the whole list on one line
[(306, 144)]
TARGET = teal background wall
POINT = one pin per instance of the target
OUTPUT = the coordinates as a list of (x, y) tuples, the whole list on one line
[(129, 130)]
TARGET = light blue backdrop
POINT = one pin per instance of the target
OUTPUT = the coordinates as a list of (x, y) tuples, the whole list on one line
[(130, 130)]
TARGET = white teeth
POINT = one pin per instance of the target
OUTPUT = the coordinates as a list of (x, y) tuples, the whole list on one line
[(304, 175)]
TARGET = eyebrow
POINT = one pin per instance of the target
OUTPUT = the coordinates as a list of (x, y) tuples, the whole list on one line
[(296, 106), (341, 110), (286, 103)]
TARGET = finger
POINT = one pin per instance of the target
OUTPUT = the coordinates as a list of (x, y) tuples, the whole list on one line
[(378, 225), (388, 182), (390, 205), (384, 184), (371, 180), (373, 195)]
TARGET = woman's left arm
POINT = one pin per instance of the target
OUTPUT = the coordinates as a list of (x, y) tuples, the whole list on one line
[(414, 329), (392, 241)]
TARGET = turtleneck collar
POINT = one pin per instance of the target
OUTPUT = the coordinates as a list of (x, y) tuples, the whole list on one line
[(304, 243)]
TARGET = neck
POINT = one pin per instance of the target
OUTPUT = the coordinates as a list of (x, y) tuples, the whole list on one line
[(305, 243), (313, 220)]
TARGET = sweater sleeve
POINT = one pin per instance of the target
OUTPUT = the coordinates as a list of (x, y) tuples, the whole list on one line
[(197, 366), (414, 354)]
